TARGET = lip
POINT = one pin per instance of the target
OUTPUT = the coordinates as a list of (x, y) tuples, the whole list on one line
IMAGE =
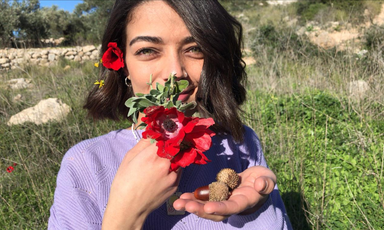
[(184, 95)]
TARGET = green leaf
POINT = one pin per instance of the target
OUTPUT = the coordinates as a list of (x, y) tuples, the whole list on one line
[(129, 102), (146, 103), (131, 112), (182, 84), (159, 87), (139, 94), (154, 92), (188, 106), (169, 105)]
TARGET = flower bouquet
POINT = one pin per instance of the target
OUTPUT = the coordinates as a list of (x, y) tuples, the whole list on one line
[(179, 138)]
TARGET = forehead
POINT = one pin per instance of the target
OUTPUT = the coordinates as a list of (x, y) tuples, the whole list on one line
[(155, 18)]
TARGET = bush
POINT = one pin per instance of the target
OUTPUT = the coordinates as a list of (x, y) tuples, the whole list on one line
[(326, 155)]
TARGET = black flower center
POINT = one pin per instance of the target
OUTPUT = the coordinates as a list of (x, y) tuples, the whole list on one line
[(169, 125)]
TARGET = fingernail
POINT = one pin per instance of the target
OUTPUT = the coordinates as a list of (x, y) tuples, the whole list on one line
[(266, 186)]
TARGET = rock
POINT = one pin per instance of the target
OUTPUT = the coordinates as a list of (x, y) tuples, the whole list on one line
[(4, 60), (18, 97), (358, 89), (71, 53), (43, 61), (6, 65), (95, 53), (44, 52), (77, 58), (86, 58), (249, 60), (36, 55), (18, 61), (19, 83), (67, 67), (89, 48), (51, 109), (323, 40), (51, 57)]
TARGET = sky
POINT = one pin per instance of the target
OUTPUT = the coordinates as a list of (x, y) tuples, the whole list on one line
[(68, 5)]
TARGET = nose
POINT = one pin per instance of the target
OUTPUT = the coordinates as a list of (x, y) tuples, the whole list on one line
[(176, 66)]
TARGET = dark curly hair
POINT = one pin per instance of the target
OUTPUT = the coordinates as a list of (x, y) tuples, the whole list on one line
[(220, 90)]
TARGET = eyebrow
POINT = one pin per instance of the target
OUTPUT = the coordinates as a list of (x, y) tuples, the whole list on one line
[(158, 40)]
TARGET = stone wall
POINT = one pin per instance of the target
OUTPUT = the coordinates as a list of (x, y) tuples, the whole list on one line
[(12, 58)]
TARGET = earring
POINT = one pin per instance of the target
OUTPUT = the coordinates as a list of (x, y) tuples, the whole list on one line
[(128, 82)]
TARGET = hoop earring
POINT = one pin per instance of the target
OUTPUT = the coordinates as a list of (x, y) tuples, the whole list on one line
[(128, 82)]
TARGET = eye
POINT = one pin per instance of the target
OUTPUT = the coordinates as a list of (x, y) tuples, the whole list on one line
[(195, 49), (195, 52), (145, 51)]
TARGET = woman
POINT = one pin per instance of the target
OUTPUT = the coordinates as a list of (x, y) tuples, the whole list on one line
[(117, 181)]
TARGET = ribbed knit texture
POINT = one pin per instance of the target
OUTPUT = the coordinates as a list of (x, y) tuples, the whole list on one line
[(88, 169)]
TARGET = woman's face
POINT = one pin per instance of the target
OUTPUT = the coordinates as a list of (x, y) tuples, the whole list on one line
[(159, 43)]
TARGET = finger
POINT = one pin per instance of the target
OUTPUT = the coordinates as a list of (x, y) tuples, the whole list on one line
[(142, 144), (234, 205), (264, 185), (198, 209)]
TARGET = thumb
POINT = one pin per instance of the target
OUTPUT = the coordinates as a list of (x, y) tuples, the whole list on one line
[(264, 185)]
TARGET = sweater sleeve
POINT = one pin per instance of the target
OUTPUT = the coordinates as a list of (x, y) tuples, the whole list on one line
[(272, 215), (75, 205)]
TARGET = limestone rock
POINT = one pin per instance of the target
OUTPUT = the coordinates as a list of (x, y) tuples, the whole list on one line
[(77, 58), (323, 40), (18, 97), (88, 48), (249, 60), (19, 83), (4, 60), (358, 89), (51, 109), (51, 57)]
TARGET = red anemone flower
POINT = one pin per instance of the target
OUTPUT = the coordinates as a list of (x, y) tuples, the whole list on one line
[(113, 58), (179, 138), (10, 169)]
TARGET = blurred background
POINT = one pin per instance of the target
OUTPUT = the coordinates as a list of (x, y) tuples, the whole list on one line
[(315, 98)]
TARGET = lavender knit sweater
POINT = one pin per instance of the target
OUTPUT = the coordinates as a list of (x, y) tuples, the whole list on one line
[(88, 168)]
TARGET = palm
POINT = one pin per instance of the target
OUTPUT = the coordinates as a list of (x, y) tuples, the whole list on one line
[(256, 183)]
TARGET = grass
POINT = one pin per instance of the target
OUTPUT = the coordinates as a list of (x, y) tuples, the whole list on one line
[(325, 145)]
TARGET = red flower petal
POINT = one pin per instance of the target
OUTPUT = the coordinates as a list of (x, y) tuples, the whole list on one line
[(113, 58), (10, 169), (180, 139)]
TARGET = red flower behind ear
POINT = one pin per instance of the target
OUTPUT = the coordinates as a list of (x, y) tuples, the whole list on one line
[(113, 58)]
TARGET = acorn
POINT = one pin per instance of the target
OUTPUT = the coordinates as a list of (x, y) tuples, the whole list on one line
[(216, 191), (229, 177), (202, 193)]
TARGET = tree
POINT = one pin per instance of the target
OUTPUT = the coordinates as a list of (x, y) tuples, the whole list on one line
[(8, 21), (94, 14)]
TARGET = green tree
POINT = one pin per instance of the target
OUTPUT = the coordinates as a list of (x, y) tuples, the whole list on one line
[(8, 21), (94, 14)]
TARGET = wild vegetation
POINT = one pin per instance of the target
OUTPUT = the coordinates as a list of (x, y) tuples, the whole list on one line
[(323, 139)]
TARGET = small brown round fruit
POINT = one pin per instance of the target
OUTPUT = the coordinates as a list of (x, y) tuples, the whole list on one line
[(229, 177), (202, 193), (218, 191)]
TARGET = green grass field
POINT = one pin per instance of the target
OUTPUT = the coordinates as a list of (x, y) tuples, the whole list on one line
[(325, 145)]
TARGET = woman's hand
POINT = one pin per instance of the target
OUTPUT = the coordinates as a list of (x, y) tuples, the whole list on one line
[(256, 184), (142, 183)]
